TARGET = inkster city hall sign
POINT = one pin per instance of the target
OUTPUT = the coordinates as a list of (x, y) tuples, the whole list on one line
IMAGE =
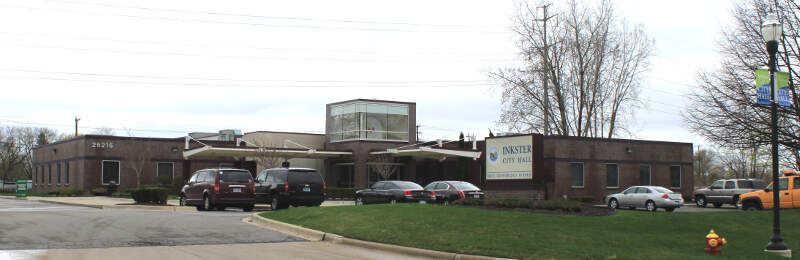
[(509, 158)]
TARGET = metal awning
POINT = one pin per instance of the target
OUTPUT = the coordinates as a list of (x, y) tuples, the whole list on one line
[(210, 151), (430, 153)]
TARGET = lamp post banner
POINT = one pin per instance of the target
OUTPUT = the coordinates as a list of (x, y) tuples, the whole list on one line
[(781, 87)]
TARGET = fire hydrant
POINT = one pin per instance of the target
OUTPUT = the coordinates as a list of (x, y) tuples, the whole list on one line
[(714, 243)]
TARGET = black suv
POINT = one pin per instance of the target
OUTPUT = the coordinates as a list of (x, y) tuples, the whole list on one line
[(282, 187)]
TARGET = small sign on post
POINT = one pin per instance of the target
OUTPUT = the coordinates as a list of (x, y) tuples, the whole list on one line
[(22, 188), (781, 87)]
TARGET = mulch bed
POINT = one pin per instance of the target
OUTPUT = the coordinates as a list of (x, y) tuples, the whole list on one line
[(587, 209)]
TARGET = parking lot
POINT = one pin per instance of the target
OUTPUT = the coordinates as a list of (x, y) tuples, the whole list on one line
[(38, 230)]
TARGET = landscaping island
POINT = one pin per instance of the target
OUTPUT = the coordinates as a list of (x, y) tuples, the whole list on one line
[(627, 234)]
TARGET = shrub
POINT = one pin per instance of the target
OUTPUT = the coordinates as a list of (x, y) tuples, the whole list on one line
[(66, 192), (584, 199), (157, 195), (164, 181), (469, 202), (121, 194), (508, 203), (341, 193), (99, 191), (560, 204)]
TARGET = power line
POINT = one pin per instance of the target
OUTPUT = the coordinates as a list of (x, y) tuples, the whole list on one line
[(248, 23), (240, 57), (240, 46), (243, 80), (235, 85), (268, 17)]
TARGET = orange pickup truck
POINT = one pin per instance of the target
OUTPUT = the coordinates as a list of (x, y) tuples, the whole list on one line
[(788, 187)]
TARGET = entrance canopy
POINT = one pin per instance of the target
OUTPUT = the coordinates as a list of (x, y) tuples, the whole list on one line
[(288, 153), (430, 153)]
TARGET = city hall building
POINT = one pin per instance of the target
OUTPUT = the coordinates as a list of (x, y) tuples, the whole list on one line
[(365, 137)]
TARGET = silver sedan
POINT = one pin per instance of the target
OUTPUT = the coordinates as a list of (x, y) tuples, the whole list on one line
[(649, 197)]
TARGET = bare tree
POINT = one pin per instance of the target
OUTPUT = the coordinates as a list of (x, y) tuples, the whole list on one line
[(723, 106), (382, 164), (11, 158), (268, 156), (706, 168), (138, 156), (582, 71)]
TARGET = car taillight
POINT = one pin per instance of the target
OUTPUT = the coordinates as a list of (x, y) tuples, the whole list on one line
[(254, 188), (433, 195), (407, 193), (461, 194), (216, 187), (286, 186), (664, 196), (324, 187)]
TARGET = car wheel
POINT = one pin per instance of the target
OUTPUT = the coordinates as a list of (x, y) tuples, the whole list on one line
[(207, 203), (613, 204), (274, 205), (393, 201), (650, 206), (248, 208), (446, 203), (199, 208), (700, 201), (182, 200), (359, 201), (749, 206), (717, 205), (670, 209), (220, 208)]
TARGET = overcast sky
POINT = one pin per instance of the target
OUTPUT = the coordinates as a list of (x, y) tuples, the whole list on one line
[(165, 68)]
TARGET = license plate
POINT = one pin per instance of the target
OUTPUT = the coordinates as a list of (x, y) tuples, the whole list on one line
[(476, 196), (237, 189), (423, 202), (306, 189)]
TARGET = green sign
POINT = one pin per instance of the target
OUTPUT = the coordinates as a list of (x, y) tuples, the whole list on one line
[(22, 188), (781, 87)]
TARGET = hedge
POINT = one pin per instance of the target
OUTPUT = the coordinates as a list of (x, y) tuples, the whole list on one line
[(565, 205), (560, 204), (157, 195), (67, 192), (584, 199), (341, 193)]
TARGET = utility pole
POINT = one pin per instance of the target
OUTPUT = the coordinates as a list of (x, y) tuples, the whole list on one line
[(546, 73), (76, 125), (418, 132)]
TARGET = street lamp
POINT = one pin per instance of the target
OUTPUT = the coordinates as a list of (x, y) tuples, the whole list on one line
[(772, 30)]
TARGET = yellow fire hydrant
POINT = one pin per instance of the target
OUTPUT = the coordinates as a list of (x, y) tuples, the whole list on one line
[(714, 243)]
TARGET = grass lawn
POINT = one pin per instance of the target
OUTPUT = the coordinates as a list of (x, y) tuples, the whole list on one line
[(624, 235)]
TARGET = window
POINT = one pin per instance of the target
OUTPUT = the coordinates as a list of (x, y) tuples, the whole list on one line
[(430, 186), (630, 190), (729, 185), (577, 174), (235, 176), (165, 169), (58, 173), (745, 184), (675, 176), (612, 175), (644, 174), (110, 172), (465, 186), (783, 184), (262, 177), (66, 173), (379, 185), (643, 190), (41, 175), (717, 185), (797, 183), (368, 121), (36, 175), (193, 179), (49, 174), (442, 186)]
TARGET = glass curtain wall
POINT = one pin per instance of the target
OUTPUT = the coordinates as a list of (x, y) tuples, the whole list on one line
[(368, 121)]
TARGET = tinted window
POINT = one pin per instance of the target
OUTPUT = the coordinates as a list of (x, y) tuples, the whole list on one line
[(745, 184), (465, 186), (644, 174), (165, 169), (407, 185), (305, 177), (661, 190), (675, 176), (612, 175), (730, 185), (234, 176), (379, 185), (577, 174), (110, 172), (441, 186), (278, 176)]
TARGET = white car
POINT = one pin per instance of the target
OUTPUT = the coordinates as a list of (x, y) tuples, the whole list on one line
[(649, 197)]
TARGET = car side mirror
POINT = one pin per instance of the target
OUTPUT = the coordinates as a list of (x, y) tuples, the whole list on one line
[(766, 190)]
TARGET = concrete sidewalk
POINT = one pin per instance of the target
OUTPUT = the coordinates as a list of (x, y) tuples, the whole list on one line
[(102, 202)]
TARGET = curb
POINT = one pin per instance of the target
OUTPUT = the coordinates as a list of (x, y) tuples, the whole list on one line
[(316, 235), (138, 207)]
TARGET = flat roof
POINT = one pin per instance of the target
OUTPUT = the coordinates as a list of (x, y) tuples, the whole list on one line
[(210, 151), (430, 153)]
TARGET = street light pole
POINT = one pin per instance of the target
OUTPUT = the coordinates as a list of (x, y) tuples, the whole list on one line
[(771, 31)]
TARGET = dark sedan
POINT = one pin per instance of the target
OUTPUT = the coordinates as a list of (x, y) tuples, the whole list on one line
[(448, 191), (394, 192)]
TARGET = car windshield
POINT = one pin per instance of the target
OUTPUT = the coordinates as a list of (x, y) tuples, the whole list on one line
[(407, 185), (465, 186), (234, 176), (661, 190)]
